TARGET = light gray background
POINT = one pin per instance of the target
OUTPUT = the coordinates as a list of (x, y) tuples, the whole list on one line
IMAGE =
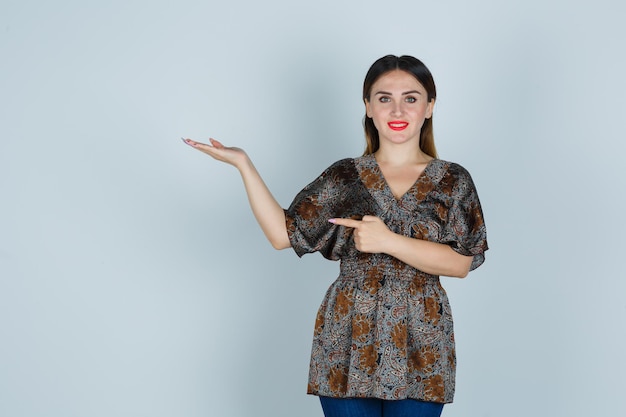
[(133, 278)]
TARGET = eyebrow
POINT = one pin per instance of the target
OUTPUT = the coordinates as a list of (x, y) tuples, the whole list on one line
[(404, 94)]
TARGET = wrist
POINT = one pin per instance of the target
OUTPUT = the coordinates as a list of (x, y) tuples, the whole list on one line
[(244, 164), (392, 243)]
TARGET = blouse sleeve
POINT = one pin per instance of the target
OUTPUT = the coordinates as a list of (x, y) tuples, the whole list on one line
[(464, 229), (307, 217)]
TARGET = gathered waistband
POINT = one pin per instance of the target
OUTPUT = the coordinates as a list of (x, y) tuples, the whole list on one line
[(383, 266)]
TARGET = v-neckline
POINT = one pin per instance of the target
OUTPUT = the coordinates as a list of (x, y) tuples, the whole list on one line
[(408, 190)]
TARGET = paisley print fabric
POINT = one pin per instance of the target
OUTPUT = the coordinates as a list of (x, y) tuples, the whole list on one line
[(384, 329)]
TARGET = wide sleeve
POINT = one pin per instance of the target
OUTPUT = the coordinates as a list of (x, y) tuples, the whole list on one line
[(307, 217), (464, 229)]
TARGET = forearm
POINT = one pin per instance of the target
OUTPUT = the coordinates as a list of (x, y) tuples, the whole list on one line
[(268, 213), (430, 257)]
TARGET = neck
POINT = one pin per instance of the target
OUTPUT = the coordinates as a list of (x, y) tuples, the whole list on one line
[(401, 155)]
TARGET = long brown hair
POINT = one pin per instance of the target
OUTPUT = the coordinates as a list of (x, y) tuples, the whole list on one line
[(414, 67)]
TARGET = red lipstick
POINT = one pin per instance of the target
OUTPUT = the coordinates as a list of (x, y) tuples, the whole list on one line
[(397, 125)]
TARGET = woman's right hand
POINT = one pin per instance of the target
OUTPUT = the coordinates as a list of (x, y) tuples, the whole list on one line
[(233, 156), (267, 211)]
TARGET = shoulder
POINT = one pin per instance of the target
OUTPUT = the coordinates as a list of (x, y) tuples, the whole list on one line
[(338, 174), (454, 179), (344, 168), (343, 163), (451, 171), (451, 168)]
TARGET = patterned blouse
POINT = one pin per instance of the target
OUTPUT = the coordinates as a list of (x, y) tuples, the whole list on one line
[(384, 329)]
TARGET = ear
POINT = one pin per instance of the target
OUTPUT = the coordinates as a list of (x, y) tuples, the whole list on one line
[(429, 108), (367, 108)]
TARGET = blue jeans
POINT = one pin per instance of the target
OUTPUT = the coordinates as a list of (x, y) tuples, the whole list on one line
[(373, 407)]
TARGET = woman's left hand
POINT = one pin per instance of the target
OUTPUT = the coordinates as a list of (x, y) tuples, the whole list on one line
[(371, 234)]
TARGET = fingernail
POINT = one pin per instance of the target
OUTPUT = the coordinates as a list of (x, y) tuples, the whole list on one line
[(331, 220)]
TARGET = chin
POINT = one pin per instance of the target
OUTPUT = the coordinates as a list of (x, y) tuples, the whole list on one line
[(399, 139)]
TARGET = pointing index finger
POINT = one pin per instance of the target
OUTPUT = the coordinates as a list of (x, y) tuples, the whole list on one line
[(345, 222)]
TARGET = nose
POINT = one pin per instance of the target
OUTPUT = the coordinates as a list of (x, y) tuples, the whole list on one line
[(396, 110)]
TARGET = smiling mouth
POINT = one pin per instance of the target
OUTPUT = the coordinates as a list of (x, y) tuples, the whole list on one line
[(397, 125)]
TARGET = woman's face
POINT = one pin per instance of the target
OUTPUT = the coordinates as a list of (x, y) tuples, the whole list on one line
[(398, 104)]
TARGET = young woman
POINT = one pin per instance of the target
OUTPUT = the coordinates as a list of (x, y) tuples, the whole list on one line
[(397, 218)]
